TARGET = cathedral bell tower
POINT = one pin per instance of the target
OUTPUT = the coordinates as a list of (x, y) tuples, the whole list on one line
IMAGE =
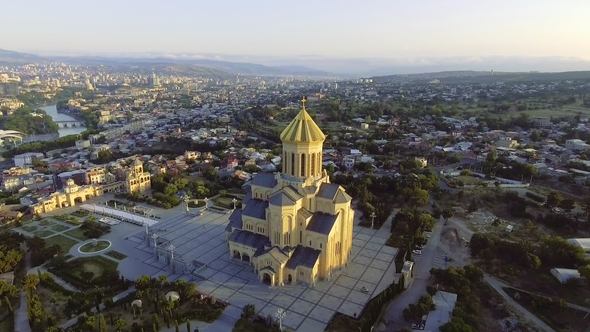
[(302, 147)]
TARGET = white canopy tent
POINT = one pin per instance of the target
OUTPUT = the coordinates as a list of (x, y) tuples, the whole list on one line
[(563, 275), (118, 214)]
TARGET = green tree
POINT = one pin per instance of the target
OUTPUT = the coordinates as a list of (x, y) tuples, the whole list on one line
[(492, 156), (176, 326), (567, 204), (447, 213), (143, 282), (535, 136), (585, 271), (30, 282), (457, 325), (419, 197), (249, 311), (102, 324), (554, 199), (120, 324)]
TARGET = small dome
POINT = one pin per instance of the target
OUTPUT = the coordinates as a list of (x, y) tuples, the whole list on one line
[(172, 296), (303, 129), (70, 182)]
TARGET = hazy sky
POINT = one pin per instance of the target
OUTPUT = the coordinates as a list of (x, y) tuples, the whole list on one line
[(343, 28)]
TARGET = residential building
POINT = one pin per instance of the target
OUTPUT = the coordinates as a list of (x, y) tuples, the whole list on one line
[(136, 179), (26, 159)]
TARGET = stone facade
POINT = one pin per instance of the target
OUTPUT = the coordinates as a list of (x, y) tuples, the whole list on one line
[(294, 226)]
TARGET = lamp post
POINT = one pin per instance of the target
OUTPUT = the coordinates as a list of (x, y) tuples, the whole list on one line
[(373, 215), (155, 238), (234, 201), (171, 249), (185, 200), (206, 202), (280, 314)]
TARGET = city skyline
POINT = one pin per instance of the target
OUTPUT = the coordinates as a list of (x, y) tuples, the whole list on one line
[(380, 30)]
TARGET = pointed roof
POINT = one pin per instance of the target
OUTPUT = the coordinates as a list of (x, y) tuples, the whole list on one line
[(302, 129)]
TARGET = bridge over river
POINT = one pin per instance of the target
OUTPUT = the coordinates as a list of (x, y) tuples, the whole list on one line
[(70, 123)]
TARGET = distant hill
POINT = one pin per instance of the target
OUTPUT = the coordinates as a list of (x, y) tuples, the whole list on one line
[(11, 57), (215, 67), (486, 77)]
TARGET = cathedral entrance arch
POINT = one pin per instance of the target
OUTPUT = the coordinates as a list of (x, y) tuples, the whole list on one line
[(289, 278), (266, 278), (237, 254), (87, 196), (78, 200), (246, 258)]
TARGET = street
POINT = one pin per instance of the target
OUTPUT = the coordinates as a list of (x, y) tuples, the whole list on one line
[(393, 314)]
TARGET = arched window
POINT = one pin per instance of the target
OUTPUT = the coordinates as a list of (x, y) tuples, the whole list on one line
[(313, 164), (285, 170), (293, 164), (303, 164)]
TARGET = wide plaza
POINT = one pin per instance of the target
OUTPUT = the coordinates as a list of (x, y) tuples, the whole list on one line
[(202, 238)]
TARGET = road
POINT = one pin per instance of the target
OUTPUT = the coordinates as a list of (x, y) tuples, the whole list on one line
[(21, 319), (498, 285), (393, 314)]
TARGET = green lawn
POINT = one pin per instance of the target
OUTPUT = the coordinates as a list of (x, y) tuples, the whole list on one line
[(192, 204), (226, 202), (78, 233), (59, 228), (100, 245), (43, 233), (29, 228), (45, 222), (7, 325), (62, 241), (95, 265), (468, 179)]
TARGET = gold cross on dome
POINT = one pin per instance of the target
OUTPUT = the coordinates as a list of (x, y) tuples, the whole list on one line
[(303, 100)]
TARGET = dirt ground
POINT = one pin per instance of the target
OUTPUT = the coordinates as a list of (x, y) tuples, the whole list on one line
[(455, 237)]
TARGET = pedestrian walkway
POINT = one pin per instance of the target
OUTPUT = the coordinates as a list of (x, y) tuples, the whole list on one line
[(101, 306), (57, 279), (225, 322), (21, 319)]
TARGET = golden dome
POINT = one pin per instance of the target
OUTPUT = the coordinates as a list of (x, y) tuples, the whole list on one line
[(302, 129)]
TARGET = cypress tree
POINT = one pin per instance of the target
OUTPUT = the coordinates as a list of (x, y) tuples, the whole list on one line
[(188, 326), (176, 327)]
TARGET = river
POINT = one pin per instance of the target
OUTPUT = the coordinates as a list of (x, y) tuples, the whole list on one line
[(52, 111)]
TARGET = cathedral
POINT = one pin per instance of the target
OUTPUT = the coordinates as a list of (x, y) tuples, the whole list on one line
[(294, 226)]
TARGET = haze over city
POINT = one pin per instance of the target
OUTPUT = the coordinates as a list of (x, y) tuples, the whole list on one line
[(347, 36)]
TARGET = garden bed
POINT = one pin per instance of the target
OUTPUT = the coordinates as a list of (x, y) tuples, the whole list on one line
[(227, 201), (116, 255), (59, 228), (78, 233), (90, 248), (29, 228), (43, 233), (62, 241), (198, 204), (86, 273)]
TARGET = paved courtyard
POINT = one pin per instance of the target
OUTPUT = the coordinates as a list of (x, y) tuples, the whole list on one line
[(203, 238)]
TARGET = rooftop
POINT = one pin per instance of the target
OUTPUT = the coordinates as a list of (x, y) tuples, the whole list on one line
[(302, 129), (322, 223)]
